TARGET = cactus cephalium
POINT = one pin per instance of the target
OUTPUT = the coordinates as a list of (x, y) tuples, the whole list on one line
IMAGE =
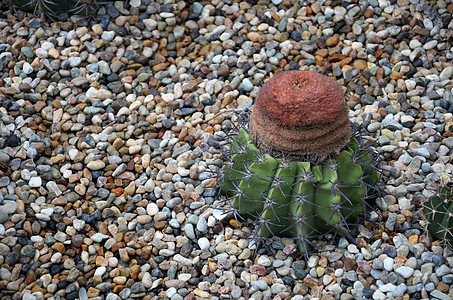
[(294, 169), (438, 211)]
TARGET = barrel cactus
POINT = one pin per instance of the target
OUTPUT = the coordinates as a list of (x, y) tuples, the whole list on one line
[(438, 211), (297, 168), (53, 9)]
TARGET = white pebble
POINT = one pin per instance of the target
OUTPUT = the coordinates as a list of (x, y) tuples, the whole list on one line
[(203, 243)]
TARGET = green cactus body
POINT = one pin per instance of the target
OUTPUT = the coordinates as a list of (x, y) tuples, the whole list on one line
[(56, 6), (276, 211), (297, 198), (294, 169), (438, 211), (351, 190), (302, 205)]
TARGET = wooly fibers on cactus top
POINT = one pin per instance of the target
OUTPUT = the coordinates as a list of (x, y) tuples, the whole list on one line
[(301, 113), (274, 188)]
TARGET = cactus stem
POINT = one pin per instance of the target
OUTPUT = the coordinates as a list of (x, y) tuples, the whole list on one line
[(296, 194), (300, 199)]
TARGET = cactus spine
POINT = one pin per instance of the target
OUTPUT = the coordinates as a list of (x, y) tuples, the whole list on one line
[(52, 9), (297, 173), (438, 211)]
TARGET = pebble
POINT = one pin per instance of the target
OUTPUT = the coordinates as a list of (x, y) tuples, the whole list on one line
[(110, 128)]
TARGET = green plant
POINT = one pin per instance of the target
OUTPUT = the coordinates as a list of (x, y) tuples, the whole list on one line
[(54, 8), (294, 169), (438, 211)]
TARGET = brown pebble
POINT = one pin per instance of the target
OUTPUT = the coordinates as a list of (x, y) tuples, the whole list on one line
[(93, 292), (56, 104), (37, 289), (160, 67), (217, 228), (45, 258), (8, 90), (58, 159), (174, 283), (310, 282), (382, 111), (443, 287), (364, 266), (77, 240), (118, 143), (135, 270), (368, 13), (450, 8), (360, 64), (186, 249), (425, 240), (160, 224), (58, 247), (332, 41), (223, 71), (350, 264), (30, 278), (27, 228), (257, 269), (322, 52)]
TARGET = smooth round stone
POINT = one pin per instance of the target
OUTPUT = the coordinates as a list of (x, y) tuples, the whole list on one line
[(260, 284), (264, 261), (203, 243), (98, 237), (422, 152), (95, 165), (152, 209), (9, 207), (247, 85), (171, 292), (202, 225), (27, 68), (48, 211), (278, 263), (35, 182), (78, 224), (184, 276), (405, 272), (332, 41), (28, 251), (120, 280), (183, 171), (189, 230), (74, 61), (388, 264)]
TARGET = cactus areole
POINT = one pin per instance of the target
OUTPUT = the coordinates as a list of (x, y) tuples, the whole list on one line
[(438, 211), (297, 170)]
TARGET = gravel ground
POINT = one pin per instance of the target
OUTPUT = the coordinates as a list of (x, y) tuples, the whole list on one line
[(109, 126)]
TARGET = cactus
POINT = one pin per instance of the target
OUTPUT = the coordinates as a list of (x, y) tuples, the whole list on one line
[(297, 169), (54, 8), (438, 211)]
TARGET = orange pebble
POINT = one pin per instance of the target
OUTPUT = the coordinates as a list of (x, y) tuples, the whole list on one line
[(118, 191), (234, 223), (413, 239)]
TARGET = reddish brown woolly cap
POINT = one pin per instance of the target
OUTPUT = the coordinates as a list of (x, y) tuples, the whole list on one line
[(302, 114)]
